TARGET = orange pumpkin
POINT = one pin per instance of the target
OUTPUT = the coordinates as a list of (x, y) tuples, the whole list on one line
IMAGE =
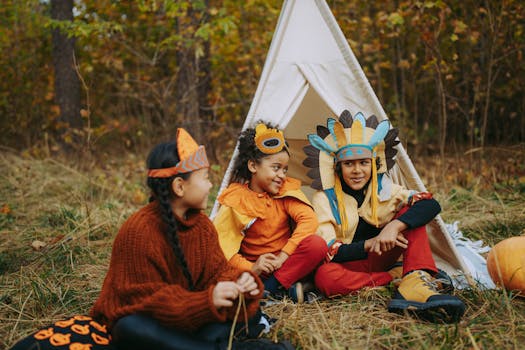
[(82, 318), (80, 329), (99, 339), (44, 333), (98, 326), (80, 346), (59, 339), (65, 323), (506, 264)]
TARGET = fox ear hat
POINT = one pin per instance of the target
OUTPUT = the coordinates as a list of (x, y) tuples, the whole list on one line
[(192, 157), (346, 139)]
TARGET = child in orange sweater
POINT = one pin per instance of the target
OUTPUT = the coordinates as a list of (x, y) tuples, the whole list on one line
[(169, 285), (265, 222)]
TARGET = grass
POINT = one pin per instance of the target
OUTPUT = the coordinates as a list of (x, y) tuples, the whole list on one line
[(73, 211)]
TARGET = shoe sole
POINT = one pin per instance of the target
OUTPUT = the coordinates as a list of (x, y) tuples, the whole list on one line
[(449, 311)]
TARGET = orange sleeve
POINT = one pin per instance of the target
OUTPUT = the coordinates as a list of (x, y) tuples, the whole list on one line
[(240, 262), (305, 220)]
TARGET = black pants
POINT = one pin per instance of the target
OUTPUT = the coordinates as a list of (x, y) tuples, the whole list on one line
[(140, 332)]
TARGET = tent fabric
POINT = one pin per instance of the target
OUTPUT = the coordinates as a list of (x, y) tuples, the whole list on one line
[(310, 74)]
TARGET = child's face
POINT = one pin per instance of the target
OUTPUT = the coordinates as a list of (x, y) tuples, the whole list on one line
[(357, 172), (269, 174), (196, 190)]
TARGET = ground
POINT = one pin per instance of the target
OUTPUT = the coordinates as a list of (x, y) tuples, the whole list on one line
[(58, 219)]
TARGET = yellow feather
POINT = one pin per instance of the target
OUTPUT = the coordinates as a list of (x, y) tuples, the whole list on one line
[(357, 132), (341, 205), (374, 200), (339, 131)]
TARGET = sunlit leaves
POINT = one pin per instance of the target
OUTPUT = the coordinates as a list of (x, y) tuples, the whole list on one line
[(133, 55)]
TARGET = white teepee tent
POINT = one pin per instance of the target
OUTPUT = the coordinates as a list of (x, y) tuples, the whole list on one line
[(310, 74)]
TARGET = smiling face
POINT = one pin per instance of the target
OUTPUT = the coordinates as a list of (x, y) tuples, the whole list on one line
[(269, 173), (356, 173)]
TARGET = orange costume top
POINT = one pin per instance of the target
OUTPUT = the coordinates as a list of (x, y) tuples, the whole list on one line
[(145, 276), (251, 224)]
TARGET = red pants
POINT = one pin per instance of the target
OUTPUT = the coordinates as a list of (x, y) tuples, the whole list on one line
[(303, 261), (343, 278)]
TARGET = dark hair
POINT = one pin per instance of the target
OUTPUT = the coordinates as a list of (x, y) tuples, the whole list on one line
[(247, 150), (165, 155)]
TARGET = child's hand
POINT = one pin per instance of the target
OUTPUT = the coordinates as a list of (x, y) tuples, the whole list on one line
[(224, 293), (390, 236), (264, 263), (247, 284), (279, 260)]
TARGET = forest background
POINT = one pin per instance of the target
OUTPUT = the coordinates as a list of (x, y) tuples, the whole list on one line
[(87, 87), (101, 75)]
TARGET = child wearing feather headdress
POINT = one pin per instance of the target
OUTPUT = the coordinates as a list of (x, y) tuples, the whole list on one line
[(369, 222), (265, 222)]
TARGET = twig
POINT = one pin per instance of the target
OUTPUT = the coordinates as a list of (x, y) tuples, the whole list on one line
[(232, 330), (472, 340), (19, 315)]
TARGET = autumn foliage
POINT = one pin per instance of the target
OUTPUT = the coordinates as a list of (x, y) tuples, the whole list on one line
[(449, 73)]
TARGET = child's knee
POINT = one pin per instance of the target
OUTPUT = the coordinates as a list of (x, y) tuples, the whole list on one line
[(316, 245)]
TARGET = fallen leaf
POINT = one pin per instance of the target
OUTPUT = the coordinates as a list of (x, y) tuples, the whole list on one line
[(5, 209), (139, 197), (37, 245)]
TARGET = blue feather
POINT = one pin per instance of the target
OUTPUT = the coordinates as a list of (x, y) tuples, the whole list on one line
[(330, 124), (379, 134), (332, 199), (320, 144), (359, 116)]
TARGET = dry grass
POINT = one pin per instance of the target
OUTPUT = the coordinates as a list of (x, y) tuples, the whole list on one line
[(76, 213)]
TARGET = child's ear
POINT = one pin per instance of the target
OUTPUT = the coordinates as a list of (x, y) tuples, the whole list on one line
[(178, 186), (251, 166)]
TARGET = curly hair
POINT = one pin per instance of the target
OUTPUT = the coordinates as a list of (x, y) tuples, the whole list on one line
[(165, 155), (247, 150)]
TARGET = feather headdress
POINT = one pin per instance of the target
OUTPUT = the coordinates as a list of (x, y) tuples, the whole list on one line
[(345, 139)]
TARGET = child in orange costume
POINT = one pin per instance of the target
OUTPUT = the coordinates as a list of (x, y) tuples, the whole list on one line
[(266, 223), (168, 285)]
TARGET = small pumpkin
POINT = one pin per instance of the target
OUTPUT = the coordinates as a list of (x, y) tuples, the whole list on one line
[(80, 346), (65, 323), (100, 339), (98, 326), (82, 318), (44, 333), (80, 329), (506, 264), (59, 339)]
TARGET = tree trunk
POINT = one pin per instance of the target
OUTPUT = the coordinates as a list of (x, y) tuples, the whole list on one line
[(67, 83), (193, 85)]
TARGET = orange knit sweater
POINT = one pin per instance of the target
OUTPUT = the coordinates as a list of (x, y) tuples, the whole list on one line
[(145, 276)]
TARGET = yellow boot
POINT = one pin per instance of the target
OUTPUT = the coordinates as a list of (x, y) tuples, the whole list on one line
[(396, 271), (418, 294)]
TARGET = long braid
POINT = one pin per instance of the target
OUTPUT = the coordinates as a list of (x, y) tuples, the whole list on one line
[(162, 190)]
